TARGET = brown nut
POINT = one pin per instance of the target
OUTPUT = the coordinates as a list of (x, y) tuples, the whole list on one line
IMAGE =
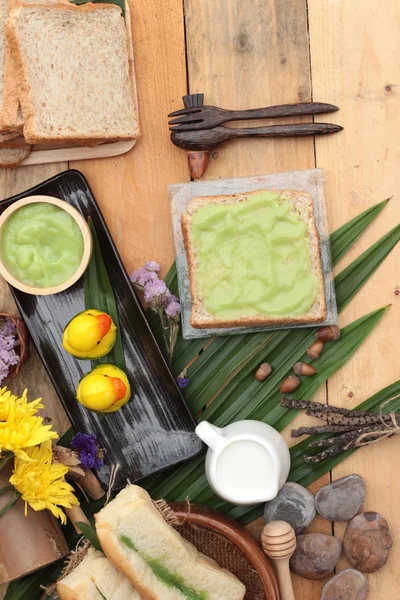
[(263, 371), (304, 369), (315, 349), (328, 333), (290, 384)]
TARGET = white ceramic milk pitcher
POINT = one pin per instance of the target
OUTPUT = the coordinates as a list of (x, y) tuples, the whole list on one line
[(247, 462)]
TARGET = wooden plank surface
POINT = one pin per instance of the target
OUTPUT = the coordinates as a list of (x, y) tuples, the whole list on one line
[(246, 55), (132, 189), (33, 376), (354, 53), (252, 53)]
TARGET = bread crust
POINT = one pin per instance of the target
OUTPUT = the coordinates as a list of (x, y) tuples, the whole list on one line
[(113, 550), (11, 164), (7, 136), (11, 116), (198, 319), (24, 93)]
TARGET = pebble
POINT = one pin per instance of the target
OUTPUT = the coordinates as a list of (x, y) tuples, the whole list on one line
[(316, 555), (367, 542), (347, 585), (293, 504), (342, 499)]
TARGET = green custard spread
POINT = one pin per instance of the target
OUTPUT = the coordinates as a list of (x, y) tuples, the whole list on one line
[(41, 245), (165, 575), (253, 258)]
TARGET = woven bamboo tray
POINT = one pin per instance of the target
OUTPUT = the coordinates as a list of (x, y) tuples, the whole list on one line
[(230, 545), (57, 153)]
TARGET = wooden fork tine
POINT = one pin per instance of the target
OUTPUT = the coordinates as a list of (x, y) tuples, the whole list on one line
[(185, 111), (185, 120)]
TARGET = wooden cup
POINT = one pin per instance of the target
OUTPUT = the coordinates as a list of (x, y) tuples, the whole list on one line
[(87, 245)]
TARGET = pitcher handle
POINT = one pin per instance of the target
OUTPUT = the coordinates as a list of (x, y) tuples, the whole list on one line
[(211, 435)]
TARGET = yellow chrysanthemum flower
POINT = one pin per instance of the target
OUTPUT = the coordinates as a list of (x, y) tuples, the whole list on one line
[(18, 434), (41, 483), (20, 406)]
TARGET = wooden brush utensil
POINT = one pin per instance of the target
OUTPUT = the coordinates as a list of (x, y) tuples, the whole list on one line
[(278, 540), (197, 116), (205, 140)]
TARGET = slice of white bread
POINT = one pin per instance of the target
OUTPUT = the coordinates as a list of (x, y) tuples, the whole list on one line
[(302, 206), (154, 557), (10, 108), (73, 73), (95, 578), (13, 157), (5, 130), (11, 117)]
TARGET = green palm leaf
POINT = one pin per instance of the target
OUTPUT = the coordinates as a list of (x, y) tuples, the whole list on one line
[(222, 384), (282, 349), (345, 237)]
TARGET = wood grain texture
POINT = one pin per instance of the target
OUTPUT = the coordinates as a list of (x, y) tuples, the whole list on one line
[(33, 375), (354, 53), (132, 189), (245, 55)]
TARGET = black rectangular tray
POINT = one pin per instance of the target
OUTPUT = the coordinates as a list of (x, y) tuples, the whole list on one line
[(155, 429)]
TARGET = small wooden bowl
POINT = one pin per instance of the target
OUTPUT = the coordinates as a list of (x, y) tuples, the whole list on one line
[(230, 545), (22, 347), (87, 245)]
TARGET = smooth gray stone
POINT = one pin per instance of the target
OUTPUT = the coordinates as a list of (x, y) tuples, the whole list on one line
[(316, 555), (349, 584), (293, 504), (342, 499)]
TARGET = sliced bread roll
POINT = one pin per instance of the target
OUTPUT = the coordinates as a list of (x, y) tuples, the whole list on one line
[(154, 557), (13, 157), (73, 72), (95, 578), (305, 282)]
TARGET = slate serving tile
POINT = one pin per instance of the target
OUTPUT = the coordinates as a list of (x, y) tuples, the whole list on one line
[(155, 429)]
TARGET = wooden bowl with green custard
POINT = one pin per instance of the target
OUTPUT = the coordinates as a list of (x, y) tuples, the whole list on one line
[(45, 245)]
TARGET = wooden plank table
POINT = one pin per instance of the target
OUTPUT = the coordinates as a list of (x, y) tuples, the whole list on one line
[(248, 53)]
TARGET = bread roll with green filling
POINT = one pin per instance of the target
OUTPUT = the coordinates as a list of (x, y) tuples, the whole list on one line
[(263, 265), (95, 578), (154, 557)]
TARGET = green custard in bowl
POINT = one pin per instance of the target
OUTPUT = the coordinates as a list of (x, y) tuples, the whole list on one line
[(43, 246)]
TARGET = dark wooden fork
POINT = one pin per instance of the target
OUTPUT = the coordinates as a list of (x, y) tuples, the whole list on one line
[(206, 117)]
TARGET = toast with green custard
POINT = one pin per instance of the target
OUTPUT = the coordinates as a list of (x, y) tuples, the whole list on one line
[(153, 556), (254, 260)]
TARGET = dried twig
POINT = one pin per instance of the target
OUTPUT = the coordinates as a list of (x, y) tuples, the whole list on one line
[(354, 428)]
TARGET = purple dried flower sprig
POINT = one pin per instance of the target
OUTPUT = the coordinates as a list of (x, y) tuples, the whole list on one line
[(160, 300), (8, 341), (182, 381), (90, 455)]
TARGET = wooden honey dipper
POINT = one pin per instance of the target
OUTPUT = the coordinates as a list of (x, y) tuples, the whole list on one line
[(278, 540)]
